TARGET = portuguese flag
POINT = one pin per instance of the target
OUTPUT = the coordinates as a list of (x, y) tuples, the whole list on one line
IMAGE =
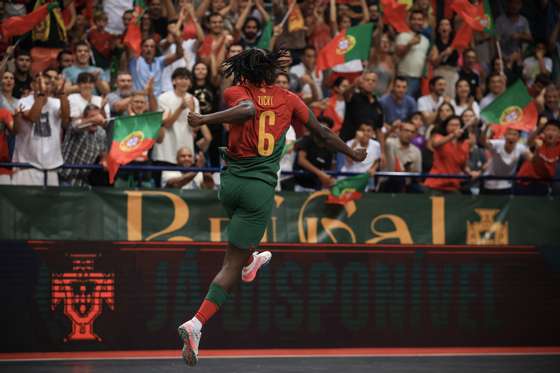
[(133, 37), (348, 189), (132, 136), (19, 25), (349, 45), (515, 108), (395, 14), (475, 18)]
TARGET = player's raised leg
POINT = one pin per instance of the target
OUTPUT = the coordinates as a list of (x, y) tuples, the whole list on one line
[(221, 286)]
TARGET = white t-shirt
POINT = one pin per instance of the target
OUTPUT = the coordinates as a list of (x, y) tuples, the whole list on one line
[(531, 68), (299, 71), (188, 60), (412, 63), (340, 108), (191, 185), (373, 154), (180, 134), (428, 105), (78, 104), (114, 10), (460, 109), (502, 163), (40, 143)]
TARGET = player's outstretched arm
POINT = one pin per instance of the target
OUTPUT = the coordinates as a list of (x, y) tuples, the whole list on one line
[(237, 114), (325, 136)]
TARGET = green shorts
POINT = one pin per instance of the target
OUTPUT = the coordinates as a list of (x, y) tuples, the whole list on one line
[(248, 203)]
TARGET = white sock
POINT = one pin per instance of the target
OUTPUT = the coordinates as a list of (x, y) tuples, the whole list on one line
[(196, 323)]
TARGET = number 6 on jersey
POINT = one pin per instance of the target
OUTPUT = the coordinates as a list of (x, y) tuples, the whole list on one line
[(266, 142)]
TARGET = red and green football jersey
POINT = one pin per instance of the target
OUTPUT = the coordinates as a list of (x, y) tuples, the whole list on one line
[(255, 147)]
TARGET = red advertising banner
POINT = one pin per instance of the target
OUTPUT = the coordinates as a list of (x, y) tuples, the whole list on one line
[(79, 296)]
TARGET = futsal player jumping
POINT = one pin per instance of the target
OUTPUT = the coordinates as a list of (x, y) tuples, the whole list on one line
[(260, 114)]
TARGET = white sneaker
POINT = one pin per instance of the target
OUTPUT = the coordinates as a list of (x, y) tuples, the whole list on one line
[(191, 338), (248, 273)]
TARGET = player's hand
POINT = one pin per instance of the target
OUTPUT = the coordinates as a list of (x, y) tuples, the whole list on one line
[(195, 120), (359, 154)]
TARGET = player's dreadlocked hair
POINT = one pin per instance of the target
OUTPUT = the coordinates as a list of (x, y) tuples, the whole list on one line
[(255, 66)]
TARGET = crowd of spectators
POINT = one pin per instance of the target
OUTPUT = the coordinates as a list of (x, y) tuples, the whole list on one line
[(415, 103)]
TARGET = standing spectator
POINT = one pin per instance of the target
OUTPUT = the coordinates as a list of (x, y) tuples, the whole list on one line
[(468, 72), (248, 29), (543, 164), (464, 99), (363, 108), (451, 153), (537, 64), (550, 106), (319, 32), (167, 46), (496, 86), (412, 49), (305, 71), (402, 156), (505, 155), (398, 105), (216, 40), (429, 104), (286, 182), (79, 101), (119, 99), (64, 59), (444, 57), (38, 133), (22, 74), (7, 100), (84, 144), (513, 29), (190, 180), (115, 10), (147, 65), (383, 63), (334, 106), (510, 68), (103, 44), (6, 126), (363, 139), (160, 11), (82, 55), (176, 105), (205, 89), (314, 159)]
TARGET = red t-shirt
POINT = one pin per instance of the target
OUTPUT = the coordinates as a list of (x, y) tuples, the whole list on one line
[(276, 108), (5, 118), (450, 158), (102, 42), (543, 164)]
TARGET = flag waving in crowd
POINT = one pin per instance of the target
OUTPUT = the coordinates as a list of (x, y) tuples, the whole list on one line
[(352, 44), (132, 136), (395, 14), (348, 189), (515, 108), (133, 36), (475, 18), (19, 25)]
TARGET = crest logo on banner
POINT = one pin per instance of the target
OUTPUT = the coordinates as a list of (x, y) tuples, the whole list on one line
[(487, 231), (83, 292)]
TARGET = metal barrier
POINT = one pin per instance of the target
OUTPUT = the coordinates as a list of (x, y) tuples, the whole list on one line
[(380, 174)]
